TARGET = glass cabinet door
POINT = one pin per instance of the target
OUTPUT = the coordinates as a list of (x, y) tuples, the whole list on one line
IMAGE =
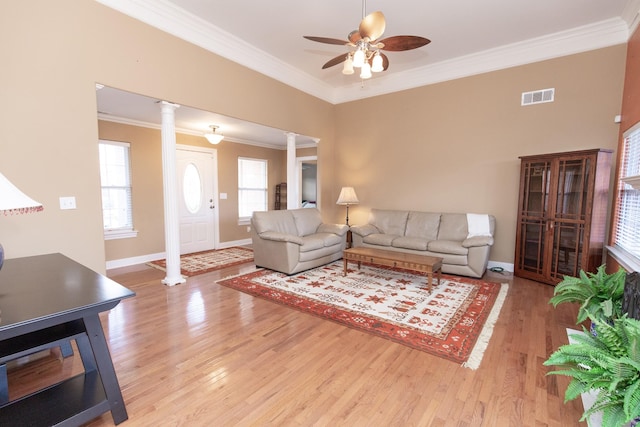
[(570, 216), (534, 212)]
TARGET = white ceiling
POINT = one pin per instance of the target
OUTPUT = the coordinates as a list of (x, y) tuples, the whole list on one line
[(467, 37)]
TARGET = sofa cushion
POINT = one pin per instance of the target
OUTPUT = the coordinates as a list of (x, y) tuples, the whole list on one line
[(311, 243), (453, 227), (330, 239), (389, 222), (279, 221), (406, 242), (448, 247), (380, 239), (307, 220), (423, 224)]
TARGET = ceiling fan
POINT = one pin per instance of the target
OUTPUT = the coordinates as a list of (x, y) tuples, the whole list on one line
[(367, 54)]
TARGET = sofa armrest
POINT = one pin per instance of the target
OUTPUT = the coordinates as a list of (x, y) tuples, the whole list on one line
[(364, 230), (339, 229), (281, 237), (478, 241)]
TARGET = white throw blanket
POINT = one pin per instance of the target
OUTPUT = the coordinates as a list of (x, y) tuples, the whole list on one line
[(478, 225)]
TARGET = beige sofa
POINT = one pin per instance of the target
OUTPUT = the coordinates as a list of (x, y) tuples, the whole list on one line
[(294, 240), (462, 240)]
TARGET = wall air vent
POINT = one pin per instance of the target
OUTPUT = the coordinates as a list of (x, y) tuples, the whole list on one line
[(538, 96)]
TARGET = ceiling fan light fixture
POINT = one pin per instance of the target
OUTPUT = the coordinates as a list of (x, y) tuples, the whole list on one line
[(358, 58), (213, 137), (348, 66), (365, 72), (376, 63)]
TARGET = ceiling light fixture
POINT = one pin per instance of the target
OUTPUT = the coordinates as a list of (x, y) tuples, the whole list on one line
[(213, 137), (365, 46)]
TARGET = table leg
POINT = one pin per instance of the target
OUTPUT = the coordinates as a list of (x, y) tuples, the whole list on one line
[(429, 279), (100, 351)]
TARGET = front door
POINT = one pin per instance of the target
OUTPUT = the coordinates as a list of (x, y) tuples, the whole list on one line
[(197, 199)]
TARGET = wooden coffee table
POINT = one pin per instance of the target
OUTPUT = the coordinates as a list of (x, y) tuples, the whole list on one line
[(414, 262)]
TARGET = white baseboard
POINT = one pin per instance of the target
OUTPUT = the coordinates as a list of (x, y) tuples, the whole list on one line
[(126, 262)]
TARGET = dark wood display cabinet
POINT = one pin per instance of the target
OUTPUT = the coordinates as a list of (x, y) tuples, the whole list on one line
[(562, 211)]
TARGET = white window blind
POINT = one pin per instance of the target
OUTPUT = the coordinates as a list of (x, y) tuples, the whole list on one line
[(115, 177), (627, 229), (252, 187)]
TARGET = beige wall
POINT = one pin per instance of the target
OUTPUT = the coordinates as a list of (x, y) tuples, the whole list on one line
[(53, 53), (147, 181), (454, 146)]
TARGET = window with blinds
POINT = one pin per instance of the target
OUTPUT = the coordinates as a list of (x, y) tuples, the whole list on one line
[(627, 213), (115, 178), (252, 187)]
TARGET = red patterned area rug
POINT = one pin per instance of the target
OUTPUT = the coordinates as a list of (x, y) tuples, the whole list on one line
[(206, 261), (455, 322)]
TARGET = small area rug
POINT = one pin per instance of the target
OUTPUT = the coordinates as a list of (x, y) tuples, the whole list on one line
[(206, 261), (455, 322)]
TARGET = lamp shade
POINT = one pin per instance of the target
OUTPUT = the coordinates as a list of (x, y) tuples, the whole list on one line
[(13, 200), (214, 138), (347, 197)]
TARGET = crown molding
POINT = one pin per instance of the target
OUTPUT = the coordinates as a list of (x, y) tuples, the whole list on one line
[(126, 121), (589, 37), (165, 16), (631, 16)]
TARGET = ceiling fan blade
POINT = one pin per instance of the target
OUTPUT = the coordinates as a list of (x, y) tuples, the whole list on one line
[(399, 43), (326, 40), (385, 61), (335, 61), (372, 26)]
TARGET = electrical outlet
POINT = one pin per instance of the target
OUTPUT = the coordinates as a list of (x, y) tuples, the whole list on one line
[(67, 202)]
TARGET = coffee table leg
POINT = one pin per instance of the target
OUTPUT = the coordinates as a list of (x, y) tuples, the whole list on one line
[(429, 279)]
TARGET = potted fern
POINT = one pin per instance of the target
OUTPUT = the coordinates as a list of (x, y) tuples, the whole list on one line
[(609, 363), (599, 294)]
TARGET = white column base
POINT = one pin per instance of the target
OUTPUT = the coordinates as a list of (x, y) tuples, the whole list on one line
[(172, 281)]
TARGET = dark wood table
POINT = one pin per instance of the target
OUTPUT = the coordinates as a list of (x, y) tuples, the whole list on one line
[(47, 300)]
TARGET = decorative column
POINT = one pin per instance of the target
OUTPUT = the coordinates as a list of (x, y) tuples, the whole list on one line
[(293, 194), (170, 183)]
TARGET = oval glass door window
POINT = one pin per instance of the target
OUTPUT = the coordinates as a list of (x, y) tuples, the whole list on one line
[(192, 188)]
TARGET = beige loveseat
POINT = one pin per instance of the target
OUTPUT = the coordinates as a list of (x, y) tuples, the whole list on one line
[(462, 240), (294, 240)]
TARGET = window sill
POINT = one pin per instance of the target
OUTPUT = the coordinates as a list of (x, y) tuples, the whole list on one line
[(627, 261), (244, 221), (120, 234)]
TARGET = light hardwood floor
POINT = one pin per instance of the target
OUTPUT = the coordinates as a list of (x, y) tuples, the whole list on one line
[(200, 354)]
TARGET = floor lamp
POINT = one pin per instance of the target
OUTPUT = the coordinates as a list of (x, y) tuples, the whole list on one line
[(347, 197), (14, 201)]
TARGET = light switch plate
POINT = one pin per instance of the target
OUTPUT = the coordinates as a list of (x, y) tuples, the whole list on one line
[(67, 202)]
